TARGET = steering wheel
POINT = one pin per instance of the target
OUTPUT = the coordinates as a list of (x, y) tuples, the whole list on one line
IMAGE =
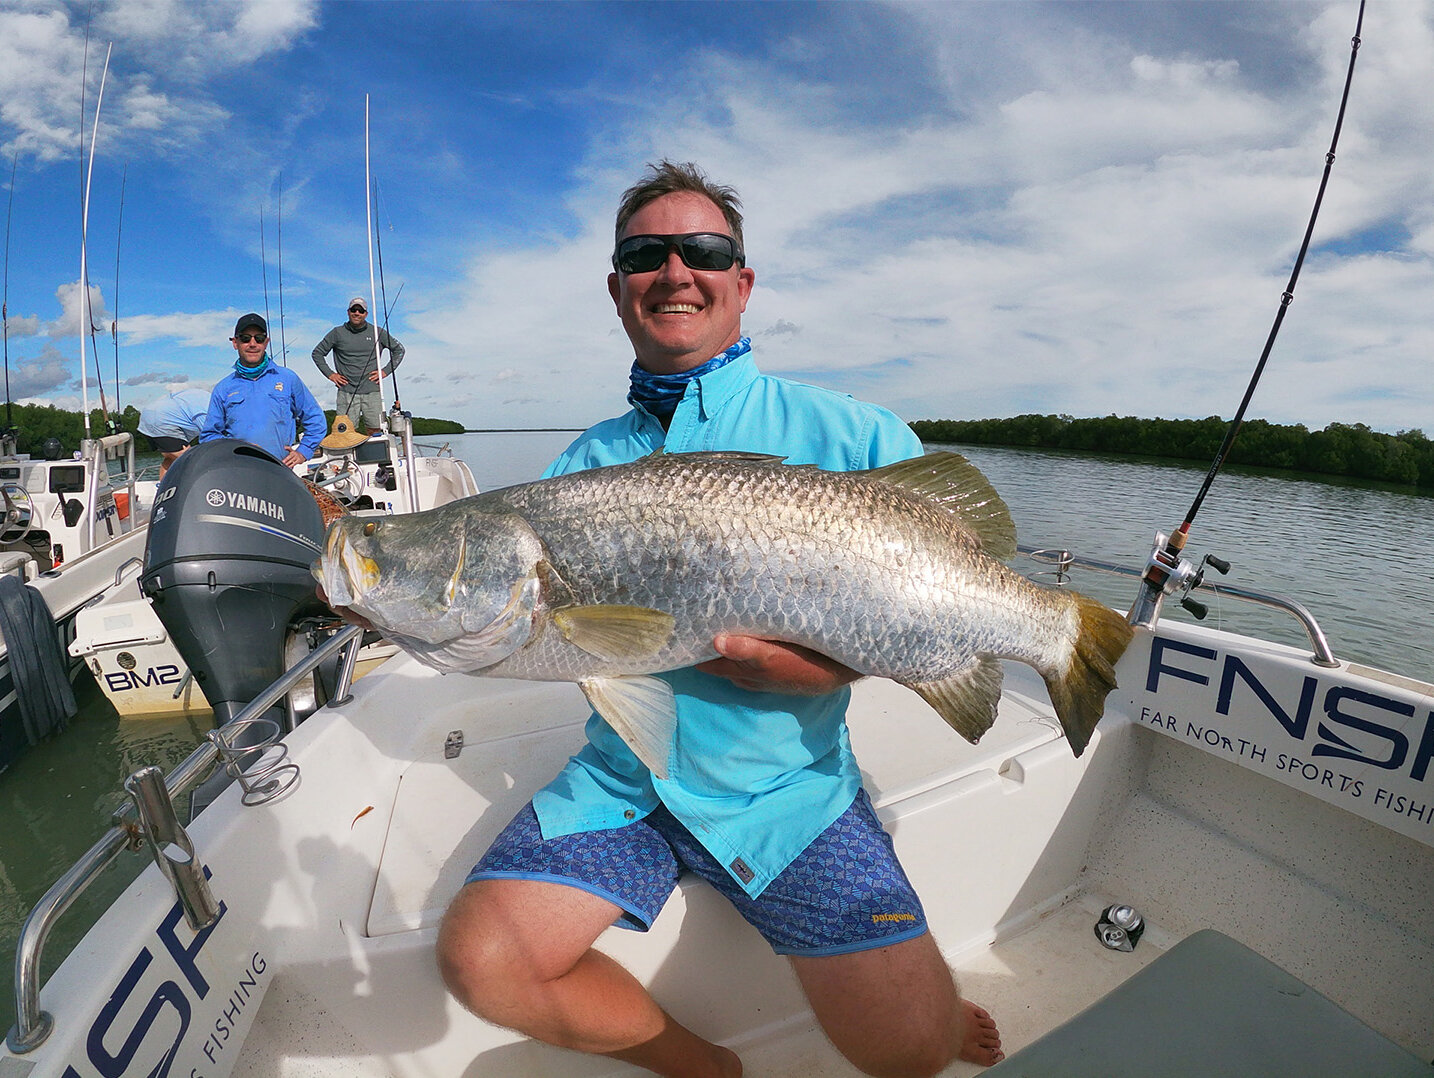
[(19, 515)]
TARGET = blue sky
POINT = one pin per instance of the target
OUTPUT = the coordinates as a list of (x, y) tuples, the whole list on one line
[(957, 210)]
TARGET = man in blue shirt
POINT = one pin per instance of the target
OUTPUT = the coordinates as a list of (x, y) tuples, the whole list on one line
[(260, 403), (763, 793)]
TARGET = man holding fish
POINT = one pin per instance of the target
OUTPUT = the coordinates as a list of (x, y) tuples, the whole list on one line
[(762, 791)]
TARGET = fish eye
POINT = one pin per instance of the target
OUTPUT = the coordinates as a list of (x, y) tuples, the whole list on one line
[(370, 527)]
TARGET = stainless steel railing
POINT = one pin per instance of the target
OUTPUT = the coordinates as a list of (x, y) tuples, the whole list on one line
[(32, 1025), (1064, 561)]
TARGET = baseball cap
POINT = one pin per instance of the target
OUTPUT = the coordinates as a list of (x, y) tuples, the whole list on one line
[(249, 321), (360, 301)]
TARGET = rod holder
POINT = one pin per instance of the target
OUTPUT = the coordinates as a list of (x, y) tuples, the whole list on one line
[(171, 846), (255, 757)]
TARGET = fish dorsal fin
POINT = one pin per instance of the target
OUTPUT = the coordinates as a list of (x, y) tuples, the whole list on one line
[(641, 710), (967, 700), (615, 633), (952, 482)]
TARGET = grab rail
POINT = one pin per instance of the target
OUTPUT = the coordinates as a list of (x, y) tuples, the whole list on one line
[(98, 452), (32, 1025), (1065, 560)]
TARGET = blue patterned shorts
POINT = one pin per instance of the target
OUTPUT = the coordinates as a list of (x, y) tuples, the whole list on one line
[(846, 892)]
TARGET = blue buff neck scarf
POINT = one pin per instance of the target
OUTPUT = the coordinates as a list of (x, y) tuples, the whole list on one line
[(659, 393), (253, 372)]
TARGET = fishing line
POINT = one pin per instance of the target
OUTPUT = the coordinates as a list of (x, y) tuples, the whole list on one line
[(383, 298), (114, 324), (279, 227), (1155, 576), (263, 264), (368, 238)]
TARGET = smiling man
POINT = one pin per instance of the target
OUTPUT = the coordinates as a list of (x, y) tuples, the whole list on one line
[(261, 403), (764, 794)]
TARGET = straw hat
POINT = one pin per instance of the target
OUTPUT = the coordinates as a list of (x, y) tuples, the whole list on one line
[(343, 436)]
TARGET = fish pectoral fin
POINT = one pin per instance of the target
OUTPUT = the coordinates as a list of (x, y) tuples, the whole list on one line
[(967, 699), (615, 633), (641, 710)]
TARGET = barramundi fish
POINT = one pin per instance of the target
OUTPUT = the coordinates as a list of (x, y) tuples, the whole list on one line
[(604, 577)]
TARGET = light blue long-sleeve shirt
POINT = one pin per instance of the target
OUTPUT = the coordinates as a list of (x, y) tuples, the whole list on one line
[(178, 414), (263, 410), (756, 777)]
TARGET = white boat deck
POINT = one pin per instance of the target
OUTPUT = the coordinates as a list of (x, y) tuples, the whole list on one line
[(1014, 846), (333, 893)]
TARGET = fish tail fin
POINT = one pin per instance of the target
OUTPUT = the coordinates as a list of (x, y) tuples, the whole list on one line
[(1078, 692)]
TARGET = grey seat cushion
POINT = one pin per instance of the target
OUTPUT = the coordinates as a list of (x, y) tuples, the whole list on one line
[(1212, 1007)]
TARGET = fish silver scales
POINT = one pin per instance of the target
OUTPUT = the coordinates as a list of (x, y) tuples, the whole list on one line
[(602, 577)]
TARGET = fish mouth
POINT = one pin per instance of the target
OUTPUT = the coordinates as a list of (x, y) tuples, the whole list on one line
[(346, 575)]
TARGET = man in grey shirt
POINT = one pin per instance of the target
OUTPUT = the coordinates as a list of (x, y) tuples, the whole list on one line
[(356, 369)]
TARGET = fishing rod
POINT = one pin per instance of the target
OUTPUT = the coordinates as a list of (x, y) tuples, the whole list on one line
[(86, 311), (1164, 563), (279, 225), (86, 315), (383, 296), (5, 302), (114, 323), (368, 208), (263, 264)]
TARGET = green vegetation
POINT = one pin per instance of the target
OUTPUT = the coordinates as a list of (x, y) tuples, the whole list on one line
[(36, 422), (420, 426), (1343, 449)]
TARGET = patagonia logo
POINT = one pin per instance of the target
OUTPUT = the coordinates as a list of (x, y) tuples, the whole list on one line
[(882, 918), (742, 870)]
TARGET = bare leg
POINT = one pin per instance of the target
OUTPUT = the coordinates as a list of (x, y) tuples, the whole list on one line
[(519, 953), (895, 1011)]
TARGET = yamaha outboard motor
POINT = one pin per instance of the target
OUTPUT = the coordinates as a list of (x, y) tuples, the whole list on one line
[(231, 538)]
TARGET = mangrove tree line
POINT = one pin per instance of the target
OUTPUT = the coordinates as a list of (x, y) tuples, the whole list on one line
[(1343, 449), (34, 423)]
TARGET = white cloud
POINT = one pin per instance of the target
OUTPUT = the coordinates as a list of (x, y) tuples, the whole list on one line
[(197, 329), (18, 326), (41, 375), (72, 318), (187, 45)]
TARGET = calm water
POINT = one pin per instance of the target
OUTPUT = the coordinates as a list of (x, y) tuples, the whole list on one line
[(1359, 558)]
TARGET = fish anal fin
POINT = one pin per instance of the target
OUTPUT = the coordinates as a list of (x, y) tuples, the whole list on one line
[(641, 710), (1078, 692), (953, 483), (615, 633), (967, 699)]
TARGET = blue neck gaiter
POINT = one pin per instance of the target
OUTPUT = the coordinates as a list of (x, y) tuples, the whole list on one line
[(659, 393), (253, 372)]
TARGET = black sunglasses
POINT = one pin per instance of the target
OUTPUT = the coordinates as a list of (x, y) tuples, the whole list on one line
[(698, 250), (356, 307), (245, 338)]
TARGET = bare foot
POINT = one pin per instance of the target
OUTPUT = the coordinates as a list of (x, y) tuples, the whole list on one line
[(981, 1042)]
